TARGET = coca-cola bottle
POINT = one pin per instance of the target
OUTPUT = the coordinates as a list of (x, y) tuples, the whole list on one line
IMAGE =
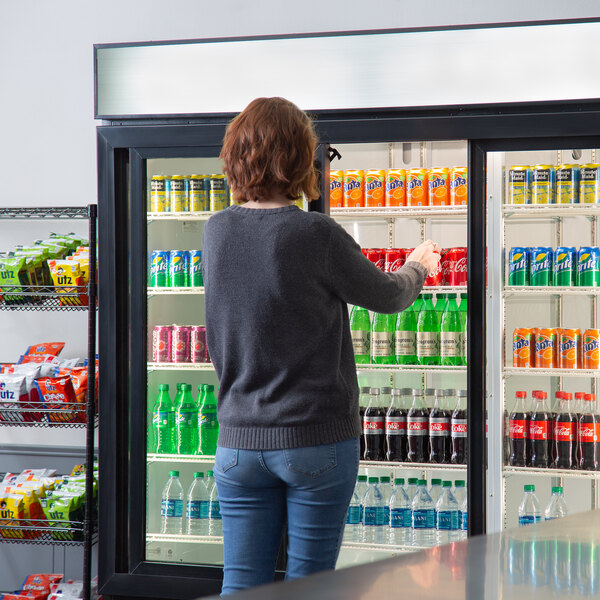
[(589, 435), (429, 400), (416, 429), (439, 429), (517, 431), (449, 406), (554, 413), (363, 402), (577, 411), (373, 428), (564, 435), (539, 428), (458, 430), (395, 426), (385, 397)]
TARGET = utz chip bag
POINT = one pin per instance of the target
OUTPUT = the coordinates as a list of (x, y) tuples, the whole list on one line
[(12, 513), (39, 583), (67, 277), (65, 518), (31, 371), (32, 509), (66, 591), (39, 358), (13, 397), (53, 348), (58, 397), (13, 277)]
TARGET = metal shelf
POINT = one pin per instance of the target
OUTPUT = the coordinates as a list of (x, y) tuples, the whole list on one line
[(444, 289), (387, 547), (515, 211), (571, 473), (184, 539), (425, 370), (43, 212), (179, 216), (412, 466), (180, 458), (40, 298), (510, 290), (522, 371), (401, 212), (42, 414), (175, 291), (42, 532), (154, 366)]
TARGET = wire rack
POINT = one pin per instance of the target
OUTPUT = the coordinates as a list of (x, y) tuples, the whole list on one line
[(38, 297), (40, 212), (42, 414), (41, 531)]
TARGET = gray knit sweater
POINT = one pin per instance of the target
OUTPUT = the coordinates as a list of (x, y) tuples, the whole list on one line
[(277, 282)]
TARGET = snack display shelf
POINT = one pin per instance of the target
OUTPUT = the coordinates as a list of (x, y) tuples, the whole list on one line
[(569, 473), (180, 458), (511, 290), (403, 466), (184, 539), (42, 212), (423, 369), (40, 532), (175, 291), (156, 366), (400, 212), (550, 210), (37, 298), (532, 372), (384, 547), (179, 216), (38, 414)]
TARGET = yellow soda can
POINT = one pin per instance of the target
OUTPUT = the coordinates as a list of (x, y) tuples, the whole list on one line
[(589, 186), (519, 184), (218, 192), (198, 193), (178, 195), (542, 184), (158, 194), (567, 184)]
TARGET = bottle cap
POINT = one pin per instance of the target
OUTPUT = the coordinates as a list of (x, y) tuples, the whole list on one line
[(450, 392), (529, 488), (209, 473), (590, 397), (209, 388), (361, 478), (373, 479), (440, 393), (199, 474), (406, 391), (201, 387), (374, 391), (559, 395), (427, 296), (384, 479), (535, 393), (447, 484), (399, 481), (463, 295), (436, 482), (186, 387), (567, 396), (421, 482), (557, 489), (365, 390), (462, 393), (579, 395), (173, 473), (163, 387), (412, 481), (386, 390), (459, 483), (416, 392), (179, 386), (430, 392), (396, 392), (521, 395), (542, 395)]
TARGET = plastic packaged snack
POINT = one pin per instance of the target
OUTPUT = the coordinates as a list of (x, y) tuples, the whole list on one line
[(66, 277), (12, 513), (53, 348), (13, 397), (31, 371), (13, 272), (40, 583), (57, 395)]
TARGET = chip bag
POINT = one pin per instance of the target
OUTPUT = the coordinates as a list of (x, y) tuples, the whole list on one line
[(31, 371), (65, 517), (39, 584), (53, 348), (13, 398), (14, 278), (66, 276), (58, 397), (12, 513)]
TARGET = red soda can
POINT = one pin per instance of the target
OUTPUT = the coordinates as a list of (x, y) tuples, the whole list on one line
[(180, 343), (394, 259), (377, 257), (199, 351), (161, 344), (364, 251), (435, 278), (454, 266)]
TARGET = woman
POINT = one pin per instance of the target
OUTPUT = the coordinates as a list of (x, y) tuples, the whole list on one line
[(277, 282)]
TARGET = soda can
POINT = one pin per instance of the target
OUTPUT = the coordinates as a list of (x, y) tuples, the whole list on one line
[(545, 342), (522, 347), (570, 349), (218, 192), (518, 266), (162, 344), (336, 189), (178, 194), (199, 351), (564, 266), (589, 185), (377, 257), (181, 343), (354, 188), (159, 268), (588, 266), (540, 266), (395, 187), (542, 184), (198, 194), (435, 278), (195, 268), (567, 184), (591, 349), (178, 267), (458, 186), (417, 187), (439, 186), (158, 195), (454, 266), (394, 259), (519, 184), (556, 350), (375, 188)]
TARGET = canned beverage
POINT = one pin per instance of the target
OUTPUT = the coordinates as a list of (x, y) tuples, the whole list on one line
[(522, 347), (198, 194), (454, 266), (545, 342), (178, 268), (195, 278), (178, 194), (591, 349), (570, 349), (567, 184), (354, 188), (395, 187), (588, 266), (394, 259), (159, 268), (564, 266), (458, 186), (540, 266), (417, 188), (199, 351), (180, 343), (377, 257), (158, 195), (218, 192), (519, 184), (518, 266), (161, 344), (435, 278), (589, 185), (542, 184), (375, 188), (439, 186), (336, 189)]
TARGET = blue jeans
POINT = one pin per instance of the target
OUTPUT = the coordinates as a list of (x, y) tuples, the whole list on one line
[(259, 490)]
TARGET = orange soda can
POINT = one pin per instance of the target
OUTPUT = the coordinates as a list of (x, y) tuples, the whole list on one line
[(395, 187), (417, 191), (545, 341), (336, 189), (556, 351), (522, 347), (374, 188), (439, 186), (458, 185), (591, 349), (570, 353), (354, 188), (534, 333)]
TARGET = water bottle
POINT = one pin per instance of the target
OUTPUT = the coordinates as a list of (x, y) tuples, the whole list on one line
[(215, 523), (197, 508), (529, 510), (411, 488), (557, 507), (447, 511), (374, 531), (464, 520), (171, 512), (460, 495), (435, 491), (386, 491), (210, 482), (423, 516), (400, 516), (353, 527)]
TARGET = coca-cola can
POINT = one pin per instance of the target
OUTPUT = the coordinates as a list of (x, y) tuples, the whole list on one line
[(199, 349), (435, 278), (394, 259), (454, 266), (181, 343), (161, 344), (377, 257)]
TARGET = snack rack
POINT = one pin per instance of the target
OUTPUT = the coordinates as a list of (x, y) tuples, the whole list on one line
[(39, 298)]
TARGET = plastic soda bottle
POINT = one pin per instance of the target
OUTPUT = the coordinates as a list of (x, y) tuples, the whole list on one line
[(353, 527), (557, 507), (200, 397), (395, 426), (374, 531), (197, 508), (439, 430), (463, 317), (360, 327), (374, 428), (405, 337), (215, 523), (209, 426), (417, 423), (589, 435), (428, 334), (400, 516), (423, 516), (382, 340), (447, 516), (451, 335), (187, 422), (163, 422), (529, 510), (171, 512)]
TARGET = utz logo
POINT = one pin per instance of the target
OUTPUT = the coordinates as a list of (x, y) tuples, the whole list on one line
[(518, 262), (415, 183), (458, 182), (62, 279), (6, 394), (50, 387), (351, 185), (334, 184), (436, 182), (521, 343), (591, 345), (394, 184)]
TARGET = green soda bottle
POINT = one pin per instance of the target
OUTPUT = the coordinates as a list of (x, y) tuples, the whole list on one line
[(417, 305), (178, 396), (360, 327), (428, 334), (163, 422), (187, 422), (451, 343), (209, 426), (405, 338), (441, 301), (463, 318), (382, 340)]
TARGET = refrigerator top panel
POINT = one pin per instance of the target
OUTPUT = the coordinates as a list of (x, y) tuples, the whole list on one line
[(453, 67)]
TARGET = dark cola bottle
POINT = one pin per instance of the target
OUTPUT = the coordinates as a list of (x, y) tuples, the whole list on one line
[(416, 429), (564, 435), (589, 435), (555, 409), (439, 428), (577, 411), (449, 405), (363, 402), (395, 426), (458, 430), (539, 429), (518, 427), (373, 428)]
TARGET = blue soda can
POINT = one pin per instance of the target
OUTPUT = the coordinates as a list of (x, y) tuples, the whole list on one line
[(540, 266), (565, 266), (159, 268), (179, 268), (195, 266), (518, 266), (588, 266)]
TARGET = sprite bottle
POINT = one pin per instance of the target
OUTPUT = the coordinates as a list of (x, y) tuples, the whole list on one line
[(463, 317), (163, 422), (382, 340), (406, 337), (187, 422), (209, 426), (360, 327), (428, 334), (451, 342)]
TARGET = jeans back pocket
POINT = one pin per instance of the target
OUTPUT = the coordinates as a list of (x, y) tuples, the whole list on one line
[(226, 458), (311, 460)]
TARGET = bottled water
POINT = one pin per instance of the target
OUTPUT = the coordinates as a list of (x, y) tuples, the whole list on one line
[(464, 520), (197, 508), (400, 516), (353, 527), (459, 491), (374, 531), (557, 507), (215, 524), (423, 516), (411, 488), (435, 491), (171, 512), (386, 491), (360, 490), (210, 482), (529, 510), (447, 516)]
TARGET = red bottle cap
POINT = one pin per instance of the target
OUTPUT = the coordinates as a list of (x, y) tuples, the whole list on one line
[(541, 395), (567, 396), (535, 393), (590, 397), (559, 395), (579, 395), (521, 395)]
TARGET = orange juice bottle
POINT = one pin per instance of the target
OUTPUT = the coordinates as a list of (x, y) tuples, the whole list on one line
[(416, 187), (458, 185), (395, 187), (354, 188), (374, 188), (439, 186), (336, 189)]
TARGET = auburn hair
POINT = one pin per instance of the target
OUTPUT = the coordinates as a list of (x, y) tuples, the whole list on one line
[(269, 149)]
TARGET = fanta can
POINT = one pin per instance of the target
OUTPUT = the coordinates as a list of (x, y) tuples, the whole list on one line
[(545, 341), (540, 266), (565, 266), (354, 188), (591, 349), (588, 266), (570, 353), (375, 188), (336, 189), (395, 187), (417, 188), (458, 186), (439, 186), (522, 347)]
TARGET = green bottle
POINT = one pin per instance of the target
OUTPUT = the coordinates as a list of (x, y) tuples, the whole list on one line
[(440, 304), (451, 342), (417, 305), (163, 422), (209, 426), (178, 396), (463, 318), (428, 334), (360, 328), (382, 340), (200, 397), (187, 422), (405, 338)]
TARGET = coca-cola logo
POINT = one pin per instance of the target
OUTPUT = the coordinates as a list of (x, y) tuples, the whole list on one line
[(538, 430), (517, 430), (395, 426), (396, 265), (412, 426), (460, 266), (564, 432), (459, 428), (586, 433), (373, 425), (438, 426)]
